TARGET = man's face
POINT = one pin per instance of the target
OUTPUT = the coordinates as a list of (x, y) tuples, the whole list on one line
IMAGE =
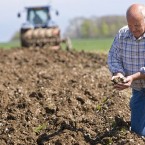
[(137, 27)]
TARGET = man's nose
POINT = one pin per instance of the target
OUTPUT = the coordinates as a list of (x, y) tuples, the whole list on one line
[(133, 29)]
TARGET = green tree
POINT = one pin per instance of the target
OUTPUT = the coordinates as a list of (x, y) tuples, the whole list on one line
[(85, 28), (105, 29)]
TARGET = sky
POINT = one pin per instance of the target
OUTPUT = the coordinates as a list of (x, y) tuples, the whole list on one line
[(68, 9)]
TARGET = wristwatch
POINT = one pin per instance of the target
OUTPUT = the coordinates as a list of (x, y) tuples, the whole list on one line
[(142, 70)]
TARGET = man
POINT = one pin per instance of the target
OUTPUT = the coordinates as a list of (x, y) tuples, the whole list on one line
[(126, 59), (37, 19)]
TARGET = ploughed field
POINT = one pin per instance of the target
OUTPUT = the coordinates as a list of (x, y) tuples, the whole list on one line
[(57, 97)]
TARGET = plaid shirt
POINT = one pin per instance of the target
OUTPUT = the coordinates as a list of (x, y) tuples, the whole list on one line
[(127, 55)]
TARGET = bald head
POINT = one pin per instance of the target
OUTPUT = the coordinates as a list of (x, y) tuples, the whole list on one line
[(135, 16), (136, 11)]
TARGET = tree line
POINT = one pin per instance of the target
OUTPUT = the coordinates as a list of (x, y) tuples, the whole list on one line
[(95, 27)]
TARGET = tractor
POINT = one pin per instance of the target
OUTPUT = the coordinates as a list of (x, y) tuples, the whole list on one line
[(40, 30)]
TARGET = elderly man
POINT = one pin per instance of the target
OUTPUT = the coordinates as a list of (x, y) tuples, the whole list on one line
[(126, 59)]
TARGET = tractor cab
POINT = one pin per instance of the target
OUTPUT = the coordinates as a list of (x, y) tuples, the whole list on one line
[(38, 16)]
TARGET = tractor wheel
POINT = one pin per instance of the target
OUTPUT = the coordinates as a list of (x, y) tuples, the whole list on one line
[(24, 43)]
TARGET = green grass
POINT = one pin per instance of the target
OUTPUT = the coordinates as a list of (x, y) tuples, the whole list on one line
[(9, 45), (91, 45)]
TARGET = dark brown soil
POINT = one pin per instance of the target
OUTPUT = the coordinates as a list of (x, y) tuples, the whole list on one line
[(50, 97)]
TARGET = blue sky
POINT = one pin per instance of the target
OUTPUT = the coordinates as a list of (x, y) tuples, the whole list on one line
[(68, 9)]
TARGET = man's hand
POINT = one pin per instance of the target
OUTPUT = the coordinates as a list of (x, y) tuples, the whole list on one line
[(120, 82)]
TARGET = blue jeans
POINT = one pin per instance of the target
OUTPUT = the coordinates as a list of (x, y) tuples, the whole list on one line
[(137, 106)]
